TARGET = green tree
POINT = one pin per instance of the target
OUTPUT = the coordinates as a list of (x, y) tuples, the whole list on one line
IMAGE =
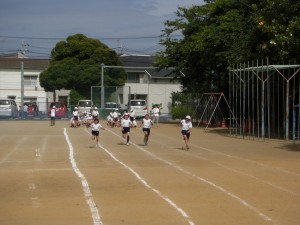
[(76, 65), (203, 41)]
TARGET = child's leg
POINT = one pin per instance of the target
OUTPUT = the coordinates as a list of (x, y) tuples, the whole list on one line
[(128, 138)]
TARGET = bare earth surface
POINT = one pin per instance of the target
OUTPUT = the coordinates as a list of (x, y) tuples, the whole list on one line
[(55, 176)]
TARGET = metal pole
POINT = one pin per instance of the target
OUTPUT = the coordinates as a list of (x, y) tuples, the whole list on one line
[(244, 102), (287, 111), (148, 97), (22, 89), (262, 104), (102, 85)]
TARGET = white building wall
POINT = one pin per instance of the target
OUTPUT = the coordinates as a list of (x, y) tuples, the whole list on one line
[(10, 86), (157, 94)]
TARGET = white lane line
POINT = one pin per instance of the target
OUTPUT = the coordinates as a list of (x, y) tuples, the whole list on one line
[(144, 182), (35, 202), (181, 211), (242, 201), (31, 186), (240, 172), (232, 169), (37, 153), (240, 158), (85, 186), (16, 148)]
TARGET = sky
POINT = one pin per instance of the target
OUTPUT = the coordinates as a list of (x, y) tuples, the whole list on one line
[(127, 26)]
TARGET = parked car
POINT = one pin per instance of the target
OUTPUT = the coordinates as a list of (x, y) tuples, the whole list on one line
[(8, 108), (61, 109), (33, 109), (140, 107), (85, 106), (111, 105)]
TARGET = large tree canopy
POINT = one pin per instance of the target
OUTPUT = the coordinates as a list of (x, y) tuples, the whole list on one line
[(76, 65), (203, 41)]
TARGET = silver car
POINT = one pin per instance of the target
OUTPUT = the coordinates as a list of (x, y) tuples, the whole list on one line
[(8, 108)]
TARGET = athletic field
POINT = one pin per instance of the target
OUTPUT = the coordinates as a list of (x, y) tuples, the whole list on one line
[(53, 175)]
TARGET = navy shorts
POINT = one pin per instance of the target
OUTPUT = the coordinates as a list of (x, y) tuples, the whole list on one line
[(125, 130), (95, 133), (185, 133), (146, 130)]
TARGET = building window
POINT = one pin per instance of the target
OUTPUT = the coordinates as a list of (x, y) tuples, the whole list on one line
[(133, 78), (30, 81)]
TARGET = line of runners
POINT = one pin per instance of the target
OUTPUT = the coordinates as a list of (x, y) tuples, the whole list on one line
[(127, 122)]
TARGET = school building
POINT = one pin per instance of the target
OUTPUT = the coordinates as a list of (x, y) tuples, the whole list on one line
[(142, 79)]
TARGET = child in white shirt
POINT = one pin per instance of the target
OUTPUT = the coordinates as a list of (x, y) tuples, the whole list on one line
[(96, 126)]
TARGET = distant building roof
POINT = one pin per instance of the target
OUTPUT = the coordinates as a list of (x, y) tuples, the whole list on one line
[(132, 63), (15, 63), (144, 63), (137, 60)]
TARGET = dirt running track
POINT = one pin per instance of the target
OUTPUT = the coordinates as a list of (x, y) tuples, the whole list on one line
[(54, 176)]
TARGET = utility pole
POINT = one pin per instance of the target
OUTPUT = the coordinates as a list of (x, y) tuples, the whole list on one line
[(22, 87)]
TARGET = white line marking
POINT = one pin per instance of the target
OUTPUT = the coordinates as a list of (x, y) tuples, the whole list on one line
[(240, 172), (181, 211), (35, 202), (85, 185), (31, 186), (242, 201), (144, 182), (37, 152)]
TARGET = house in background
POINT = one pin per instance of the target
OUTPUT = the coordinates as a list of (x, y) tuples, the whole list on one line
[(10, 80), (143, 81)]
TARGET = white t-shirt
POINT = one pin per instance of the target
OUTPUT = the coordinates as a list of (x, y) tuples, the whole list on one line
[(115, 115), (95, 113), (52, 112), (132, 112), (186, 125), (75, 113), (96, 126), (126, 122), (147, 123), (156, 111)]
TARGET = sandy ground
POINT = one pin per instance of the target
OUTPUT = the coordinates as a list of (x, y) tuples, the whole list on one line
[(53, 175)]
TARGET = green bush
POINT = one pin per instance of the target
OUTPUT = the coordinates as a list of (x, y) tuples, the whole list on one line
[(179, 112)]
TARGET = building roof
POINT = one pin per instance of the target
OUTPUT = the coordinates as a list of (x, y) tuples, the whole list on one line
[(15, 63), (132, 63), (137, 60), (144, 63)]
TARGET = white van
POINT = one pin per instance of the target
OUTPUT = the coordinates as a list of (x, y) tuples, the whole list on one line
[(85, 106), (140, 107)]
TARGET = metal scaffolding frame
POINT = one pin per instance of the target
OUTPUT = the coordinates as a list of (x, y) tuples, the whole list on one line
[(263, 99)]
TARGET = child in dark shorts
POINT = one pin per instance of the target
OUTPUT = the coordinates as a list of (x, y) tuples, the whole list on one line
[(96, 126)]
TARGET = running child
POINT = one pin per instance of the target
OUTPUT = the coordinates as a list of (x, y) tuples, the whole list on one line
[(186, 127), (96, 126), (147, 123), (125, 125)]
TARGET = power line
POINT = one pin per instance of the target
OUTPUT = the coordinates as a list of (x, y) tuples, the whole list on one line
[(112, 38)]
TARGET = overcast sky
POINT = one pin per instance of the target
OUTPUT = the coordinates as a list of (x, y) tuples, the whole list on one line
[(127, 24)]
